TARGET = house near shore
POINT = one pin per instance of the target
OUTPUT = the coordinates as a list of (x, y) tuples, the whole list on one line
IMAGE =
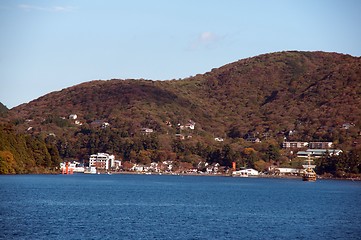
[(287, 171), (213, 168), (245, 173), (73, 167)]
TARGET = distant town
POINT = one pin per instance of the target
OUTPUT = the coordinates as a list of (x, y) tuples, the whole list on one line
[(104, 163)]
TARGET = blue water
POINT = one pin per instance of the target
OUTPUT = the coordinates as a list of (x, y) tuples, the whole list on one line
[(83, 206)]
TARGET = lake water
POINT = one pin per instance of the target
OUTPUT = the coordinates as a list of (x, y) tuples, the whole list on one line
[(84, 206)]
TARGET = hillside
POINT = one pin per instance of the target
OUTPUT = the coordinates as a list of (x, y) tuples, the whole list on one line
[(3, 110), (312, 94)]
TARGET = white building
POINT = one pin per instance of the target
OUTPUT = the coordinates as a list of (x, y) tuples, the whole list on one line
[(317, 153), (294, 144), (74, 166), (320, 145), (147, 130), (73, 116), (245, 173), (287, 171), (102, 161)]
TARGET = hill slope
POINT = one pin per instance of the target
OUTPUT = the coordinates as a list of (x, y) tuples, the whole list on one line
[(317, 95)]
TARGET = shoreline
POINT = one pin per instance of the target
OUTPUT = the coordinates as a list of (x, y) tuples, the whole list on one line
[(191, 174), (229, 175)]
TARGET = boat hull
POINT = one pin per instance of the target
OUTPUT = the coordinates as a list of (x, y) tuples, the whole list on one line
[(309, 175)]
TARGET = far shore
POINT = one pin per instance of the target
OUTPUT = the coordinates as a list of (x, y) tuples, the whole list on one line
[(327, 177), (230, 175)]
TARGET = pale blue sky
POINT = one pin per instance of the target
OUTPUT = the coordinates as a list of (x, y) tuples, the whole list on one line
[(49, 45)]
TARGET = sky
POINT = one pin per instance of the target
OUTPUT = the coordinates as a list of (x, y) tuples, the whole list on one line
[(48, 45)]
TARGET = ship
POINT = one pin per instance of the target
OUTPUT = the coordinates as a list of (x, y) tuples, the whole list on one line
[(308, 172)]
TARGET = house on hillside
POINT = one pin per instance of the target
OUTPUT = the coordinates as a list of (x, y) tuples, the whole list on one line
[(77, 122), (253, 140), (73, 116), (180, 136), (320, 145), (317, 153), (190, 125), (99, 123), (347, 125), (294, 144), (146, 131)]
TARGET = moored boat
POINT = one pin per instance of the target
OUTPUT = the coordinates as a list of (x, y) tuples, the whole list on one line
[(309, 174)]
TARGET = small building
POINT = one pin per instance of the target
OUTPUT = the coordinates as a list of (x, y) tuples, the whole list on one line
[(73, 116), (347, 125), (97, 123), (74, 166), (77, 122), (168, 165), (147, 131), (294, 144), (253, 140), (180, 136), (140, 168), (317, 153), (245, 173), (218, 139), (320, 145), (287, 171), (190, 125)]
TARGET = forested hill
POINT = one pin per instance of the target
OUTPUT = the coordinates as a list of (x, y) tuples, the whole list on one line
[(312, 94)]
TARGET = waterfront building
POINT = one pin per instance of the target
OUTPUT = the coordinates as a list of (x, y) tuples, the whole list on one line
[(102, 161)]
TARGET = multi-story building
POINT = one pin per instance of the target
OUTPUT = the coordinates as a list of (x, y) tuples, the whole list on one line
[(102, 161)]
